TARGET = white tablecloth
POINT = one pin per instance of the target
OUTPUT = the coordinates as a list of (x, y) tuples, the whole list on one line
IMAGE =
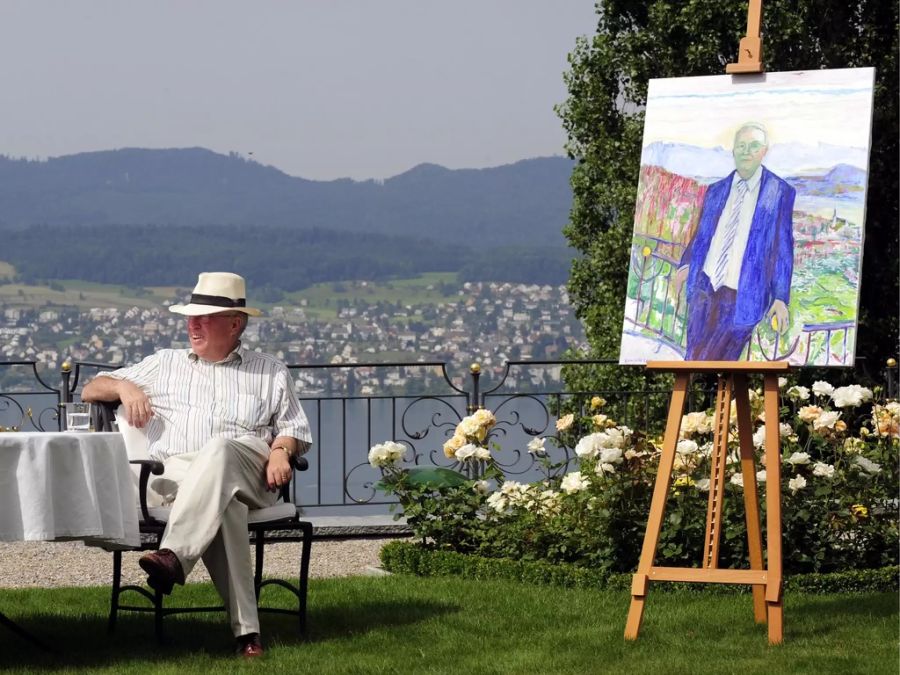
[(62, 486)]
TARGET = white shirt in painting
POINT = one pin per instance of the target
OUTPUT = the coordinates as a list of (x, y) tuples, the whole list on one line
[(739, 245)]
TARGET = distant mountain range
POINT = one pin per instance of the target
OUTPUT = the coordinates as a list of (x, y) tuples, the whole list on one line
[(785, 159), (526, 203)]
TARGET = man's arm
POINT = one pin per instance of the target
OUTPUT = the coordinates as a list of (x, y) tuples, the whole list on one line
[(778, 313), (136, 403)]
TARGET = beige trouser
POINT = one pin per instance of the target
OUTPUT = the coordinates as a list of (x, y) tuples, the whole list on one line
[(216, 487)]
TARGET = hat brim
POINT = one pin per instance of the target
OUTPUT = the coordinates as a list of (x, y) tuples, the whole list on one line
[(202, 310)]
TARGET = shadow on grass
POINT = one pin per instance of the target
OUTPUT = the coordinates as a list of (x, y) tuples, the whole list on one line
[(82, 641)]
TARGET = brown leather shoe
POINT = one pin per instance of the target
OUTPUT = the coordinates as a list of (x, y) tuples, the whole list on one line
[(250, 646), (163, 570)]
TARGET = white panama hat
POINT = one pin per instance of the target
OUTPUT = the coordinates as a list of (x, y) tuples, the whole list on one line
[(217, 292)]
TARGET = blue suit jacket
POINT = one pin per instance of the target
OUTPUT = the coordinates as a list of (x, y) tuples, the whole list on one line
[(769, 256)]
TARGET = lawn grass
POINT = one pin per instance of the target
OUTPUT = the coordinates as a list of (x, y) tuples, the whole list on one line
[(403, 624)]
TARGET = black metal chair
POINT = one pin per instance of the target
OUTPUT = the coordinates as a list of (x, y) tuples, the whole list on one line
[(283, 518)]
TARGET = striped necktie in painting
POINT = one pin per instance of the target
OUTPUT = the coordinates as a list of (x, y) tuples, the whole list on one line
[(731, 229)]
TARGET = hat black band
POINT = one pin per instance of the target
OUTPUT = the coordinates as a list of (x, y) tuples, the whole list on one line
[(217, 300)]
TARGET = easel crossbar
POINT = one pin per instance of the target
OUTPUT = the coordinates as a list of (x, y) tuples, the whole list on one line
[(714, 576)]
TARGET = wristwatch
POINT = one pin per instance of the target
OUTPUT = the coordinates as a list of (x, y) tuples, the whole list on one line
[(281, 447)]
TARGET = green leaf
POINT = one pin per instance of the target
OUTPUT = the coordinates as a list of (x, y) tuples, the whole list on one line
[(436, 477)]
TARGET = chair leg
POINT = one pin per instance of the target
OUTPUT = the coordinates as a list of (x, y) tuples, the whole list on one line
[(158, 616), (116, 585), (258, 572), (306, 549)]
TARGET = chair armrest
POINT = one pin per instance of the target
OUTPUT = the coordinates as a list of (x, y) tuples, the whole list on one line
[(103, 414), (148, 466)]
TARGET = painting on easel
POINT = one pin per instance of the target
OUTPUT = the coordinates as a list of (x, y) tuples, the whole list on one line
[(749, 219)]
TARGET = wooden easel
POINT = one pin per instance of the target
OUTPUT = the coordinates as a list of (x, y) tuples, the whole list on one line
[(765, 579)]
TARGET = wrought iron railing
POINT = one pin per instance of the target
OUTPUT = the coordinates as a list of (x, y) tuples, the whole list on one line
[(353, 406)]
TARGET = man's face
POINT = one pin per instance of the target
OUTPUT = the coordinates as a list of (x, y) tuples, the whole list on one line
[(213, 336), (749, 150)]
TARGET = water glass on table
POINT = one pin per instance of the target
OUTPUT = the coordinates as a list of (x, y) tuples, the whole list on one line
[(78, 417)]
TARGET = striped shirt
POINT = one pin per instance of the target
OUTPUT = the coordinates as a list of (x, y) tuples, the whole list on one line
[(193, 401)]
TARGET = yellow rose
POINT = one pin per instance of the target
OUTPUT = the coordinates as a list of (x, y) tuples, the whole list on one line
[(565, 422), (859, 511), (597, 402), (454, 444), (840, 426), (599, 421)]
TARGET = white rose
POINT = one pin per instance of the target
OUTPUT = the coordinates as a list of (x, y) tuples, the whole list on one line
[(826, 420), (823, 470), (798, 482), (482, 453), (466, 452), (536, 447), (798, 458), (761, 476), (481, 487), (589, 446), (737, 479), (512, 488), (850, 396), (386, 454), (821, 388), (469, 426), (498, 502), (686, 448), (867, 465), (759, 437), (604, 468), (798, 393), (610, 455), (573, 482), (703, 485)]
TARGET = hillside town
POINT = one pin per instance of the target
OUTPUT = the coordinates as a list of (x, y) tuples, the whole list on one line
[(484, 323)]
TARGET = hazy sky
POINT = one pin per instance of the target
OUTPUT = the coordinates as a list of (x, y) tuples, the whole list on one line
[(318, 88)]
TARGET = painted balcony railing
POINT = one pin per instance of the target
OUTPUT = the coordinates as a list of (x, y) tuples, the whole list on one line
[(656, 309)]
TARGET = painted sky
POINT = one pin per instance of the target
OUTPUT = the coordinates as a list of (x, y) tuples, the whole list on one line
[(806, 107), (318, 88)]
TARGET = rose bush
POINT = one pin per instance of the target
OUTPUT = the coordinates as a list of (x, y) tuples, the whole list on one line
[(839, 488)]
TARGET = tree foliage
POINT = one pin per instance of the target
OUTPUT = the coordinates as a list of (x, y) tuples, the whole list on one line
[(603, 118)]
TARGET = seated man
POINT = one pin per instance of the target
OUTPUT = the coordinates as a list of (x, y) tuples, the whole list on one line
[(224, 420)]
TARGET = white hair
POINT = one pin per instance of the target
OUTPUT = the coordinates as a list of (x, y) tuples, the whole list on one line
[(756, 126)]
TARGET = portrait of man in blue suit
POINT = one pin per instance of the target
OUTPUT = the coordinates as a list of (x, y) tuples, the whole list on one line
[(738, 265)]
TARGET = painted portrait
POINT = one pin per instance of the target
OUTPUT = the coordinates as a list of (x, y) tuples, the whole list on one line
[(749, 219)]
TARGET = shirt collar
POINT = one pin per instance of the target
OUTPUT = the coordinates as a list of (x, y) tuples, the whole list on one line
[(236, 355), (752, 182)]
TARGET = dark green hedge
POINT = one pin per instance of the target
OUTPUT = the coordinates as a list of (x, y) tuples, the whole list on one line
[(401, 557)]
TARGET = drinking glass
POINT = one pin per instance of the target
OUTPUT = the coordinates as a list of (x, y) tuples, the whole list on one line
[(78, 417)]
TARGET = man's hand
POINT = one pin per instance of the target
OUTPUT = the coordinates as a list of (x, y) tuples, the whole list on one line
[(136, 403), (680, 277), (779, 317), (278, 468)]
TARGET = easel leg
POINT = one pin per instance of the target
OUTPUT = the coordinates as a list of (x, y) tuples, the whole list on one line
[(640, 583), (773, 511), (751, 495)]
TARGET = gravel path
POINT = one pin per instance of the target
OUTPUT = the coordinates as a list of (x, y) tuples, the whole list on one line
[(43, 564)]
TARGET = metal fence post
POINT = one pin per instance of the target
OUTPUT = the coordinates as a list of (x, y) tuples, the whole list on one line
[(474, 401), (65, 393), (891, 378)]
